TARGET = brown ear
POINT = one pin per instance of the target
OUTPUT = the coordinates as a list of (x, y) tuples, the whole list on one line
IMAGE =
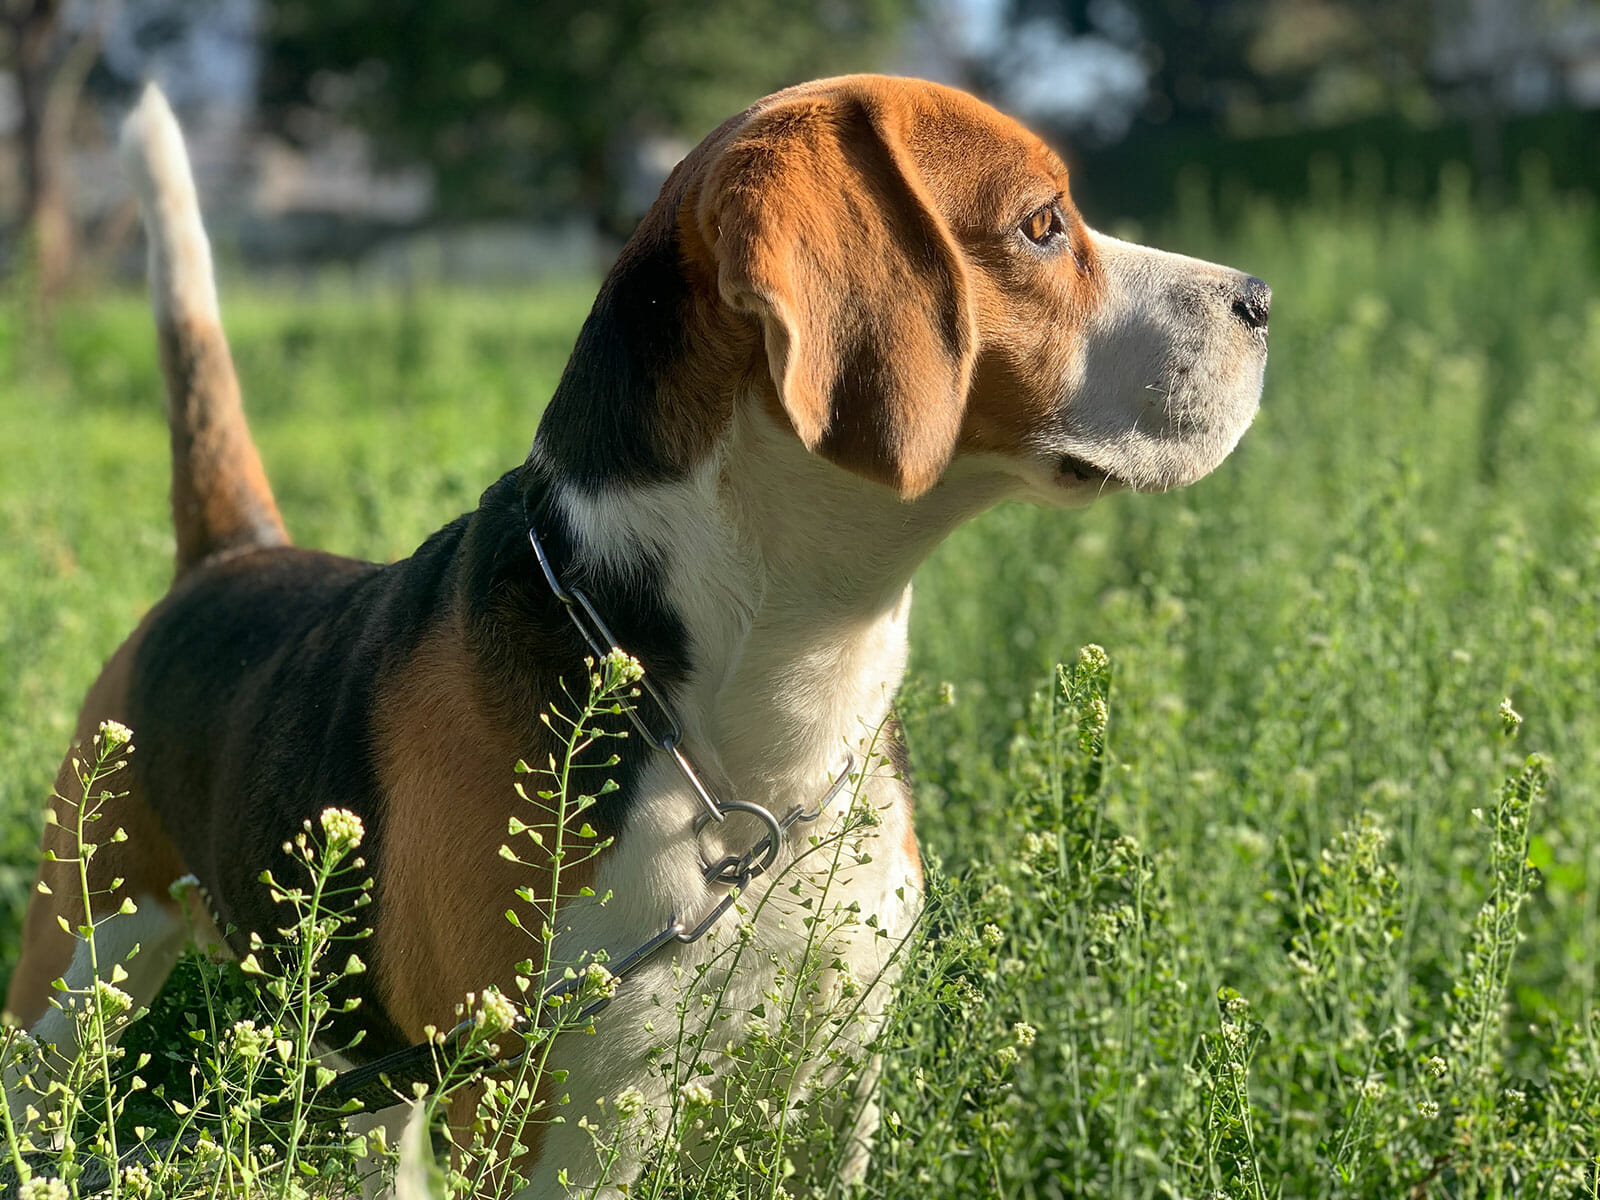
[(822, 228)]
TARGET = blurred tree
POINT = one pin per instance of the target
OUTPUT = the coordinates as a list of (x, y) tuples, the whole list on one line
[(1241, 65), (50, 58), (535, 106)]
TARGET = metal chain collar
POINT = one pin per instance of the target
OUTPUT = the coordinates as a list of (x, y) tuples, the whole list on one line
[(376, 1084), (733, 871)]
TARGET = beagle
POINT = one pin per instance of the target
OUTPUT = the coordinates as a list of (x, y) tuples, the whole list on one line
[(861, 312)]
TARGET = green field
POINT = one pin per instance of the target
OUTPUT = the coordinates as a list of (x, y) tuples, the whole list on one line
[(1309, 653)]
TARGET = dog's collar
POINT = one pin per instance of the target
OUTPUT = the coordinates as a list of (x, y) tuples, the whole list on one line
[(732, 870)]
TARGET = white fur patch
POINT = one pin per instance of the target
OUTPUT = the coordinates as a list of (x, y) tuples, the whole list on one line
[(1169, 377)]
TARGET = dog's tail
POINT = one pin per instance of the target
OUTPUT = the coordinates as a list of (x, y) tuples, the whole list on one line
[(220, 496)]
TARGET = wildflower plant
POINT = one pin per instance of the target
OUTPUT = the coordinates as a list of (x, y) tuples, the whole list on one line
[(760, 1093), (65, 1097), (1488, 1109), (552, 836), (1232, 1161), (244, 1119), (1056, 960)]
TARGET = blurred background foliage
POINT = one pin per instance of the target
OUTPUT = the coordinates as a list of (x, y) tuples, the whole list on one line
[(324, 129), (535, 107)]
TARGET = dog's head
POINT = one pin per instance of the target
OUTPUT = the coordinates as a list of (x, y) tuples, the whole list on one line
[(925, 289)]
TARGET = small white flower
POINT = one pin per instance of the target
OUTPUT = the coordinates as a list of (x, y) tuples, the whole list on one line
[(136, 1181), (1099, 713), (342, 828), (696, 1093), (1510, 718), (1024, 1033), (1428, 1108), (249, 1043), (1437, 1067), (992, 936), (598, 982), (496, 1014), (1303, 965), (619, 668), (114, 735), (629, 1101), (1104, 927), (113, 1001), (43, 1187), (1372, 1089)]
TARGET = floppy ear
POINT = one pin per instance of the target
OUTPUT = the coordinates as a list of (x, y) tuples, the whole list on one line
[(822, 228)]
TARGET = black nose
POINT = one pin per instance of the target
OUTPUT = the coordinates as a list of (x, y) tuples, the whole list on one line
[(1254, 303)]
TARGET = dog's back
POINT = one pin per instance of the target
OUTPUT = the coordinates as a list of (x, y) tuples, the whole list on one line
[(253, 687), (221, 506), (273, 682)]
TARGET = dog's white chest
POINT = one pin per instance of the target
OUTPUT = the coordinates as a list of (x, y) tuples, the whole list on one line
[(782, 995)]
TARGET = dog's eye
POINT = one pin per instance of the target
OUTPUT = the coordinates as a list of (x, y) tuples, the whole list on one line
[(1043, 225)]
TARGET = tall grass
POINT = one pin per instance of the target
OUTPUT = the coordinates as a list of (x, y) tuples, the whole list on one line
[(1270, 903)]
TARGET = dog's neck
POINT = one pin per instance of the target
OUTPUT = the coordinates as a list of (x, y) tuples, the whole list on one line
[(791, 579), (665, 454)]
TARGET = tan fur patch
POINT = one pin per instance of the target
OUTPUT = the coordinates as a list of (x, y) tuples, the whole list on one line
[(445, 762), (913, 853), (220, 495)]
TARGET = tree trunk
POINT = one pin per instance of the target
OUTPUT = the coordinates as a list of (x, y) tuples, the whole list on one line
[(49, 84)]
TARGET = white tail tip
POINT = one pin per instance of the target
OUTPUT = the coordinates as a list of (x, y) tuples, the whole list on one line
[(153, 155)]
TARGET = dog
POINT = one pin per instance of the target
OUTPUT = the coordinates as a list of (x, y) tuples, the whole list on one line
[(861, 312)]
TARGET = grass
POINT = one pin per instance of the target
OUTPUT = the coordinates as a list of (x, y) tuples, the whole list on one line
[(1292, 915)]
